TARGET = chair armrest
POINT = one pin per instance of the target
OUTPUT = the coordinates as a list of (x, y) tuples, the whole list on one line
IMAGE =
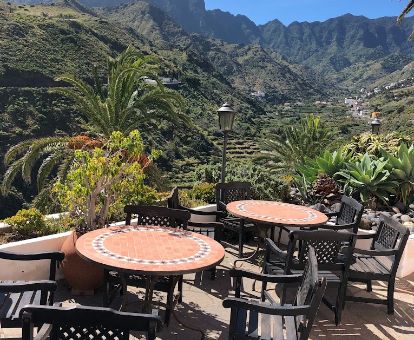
[(337, 226), (374, 252), (44, 332), (265, 277), (332, 214), (215, 225), (27, 286), (221, 206), (56, 255), (270, 245), (264, 308), (366, 236)]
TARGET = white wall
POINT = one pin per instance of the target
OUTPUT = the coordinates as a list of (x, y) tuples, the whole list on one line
[(30, 270)]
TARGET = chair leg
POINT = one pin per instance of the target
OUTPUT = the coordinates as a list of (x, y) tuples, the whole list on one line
[(170, 299), (262, 295), (180, 289), (369, 286), (390, 297), (213, 273), (280, 236), (241, 239), (340, 303)]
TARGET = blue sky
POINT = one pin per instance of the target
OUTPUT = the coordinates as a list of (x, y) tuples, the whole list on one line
[(287, 11)]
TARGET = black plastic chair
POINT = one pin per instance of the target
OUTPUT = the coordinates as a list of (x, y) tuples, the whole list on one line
[(333, 251), (83, 323), (381, 262), (230, 192), (150, 216), (16, 294), (287, 321), (348, 217)]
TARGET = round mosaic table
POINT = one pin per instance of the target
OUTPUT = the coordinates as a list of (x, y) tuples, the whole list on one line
[(277, 213), (151, 251)]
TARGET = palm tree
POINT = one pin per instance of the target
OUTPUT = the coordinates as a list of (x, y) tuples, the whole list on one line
[(405, 12), (286, 152), (132, 96)]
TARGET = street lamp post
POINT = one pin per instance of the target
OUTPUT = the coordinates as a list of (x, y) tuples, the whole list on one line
[(376, 126), (226, 119)]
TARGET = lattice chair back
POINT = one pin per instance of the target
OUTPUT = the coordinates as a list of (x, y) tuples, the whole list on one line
[(173, 201), (333, 250), (310, 293), (157, 216), (232, 191), (350, 213), (391, 235), (89, 323)]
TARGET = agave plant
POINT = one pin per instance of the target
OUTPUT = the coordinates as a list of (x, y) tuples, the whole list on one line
[(401, 167), (123, 104), (370, 179), (329, 163), (297, 143)]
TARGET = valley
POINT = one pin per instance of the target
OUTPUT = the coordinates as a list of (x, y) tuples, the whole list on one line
[(272, 74)]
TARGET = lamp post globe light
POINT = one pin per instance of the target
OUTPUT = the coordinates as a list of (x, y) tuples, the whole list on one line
[(226, 116), (375, 126)]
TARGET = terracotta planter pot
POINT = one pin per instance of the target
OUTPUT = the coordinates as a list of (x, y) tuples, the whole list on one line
[(80, 274)]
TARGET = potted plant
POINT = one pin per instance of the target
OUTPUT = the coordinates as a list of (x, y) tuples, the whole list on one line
[(97, 186)]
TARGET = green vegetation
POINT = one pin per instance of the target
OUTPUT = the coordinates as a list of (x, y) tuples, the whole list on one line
[(401, 167), (125, 102), (132, 95), (296, 144), (28, 223), (369, 179), (53, 121), (102, 181), (383, 174)]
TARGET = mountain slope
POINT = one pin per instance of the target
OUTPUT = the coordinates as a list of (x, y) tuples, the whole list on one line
[(338, 43), (248, 67)]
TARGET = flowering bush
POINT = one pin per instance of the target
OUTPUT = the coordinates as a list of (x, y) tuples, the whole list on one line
[(101, 181)]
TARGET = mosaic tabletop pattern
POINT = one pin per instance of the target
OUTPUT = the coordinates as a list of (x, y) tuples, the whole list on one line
[(150, 250), (276, 213)]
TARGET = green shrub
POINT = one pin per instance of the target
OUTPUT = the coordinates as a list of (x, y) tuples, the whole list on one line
[(28, 223), (266, 185), (204, 192), (375, 144)]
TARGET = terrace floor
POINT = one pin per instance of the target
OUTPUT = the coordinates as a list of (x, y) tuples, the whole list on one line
[(202, 308)]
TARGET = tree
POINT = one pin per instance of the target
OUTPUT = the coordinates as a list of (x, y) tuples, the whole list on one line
[(132, 95), (296, 144), (102, 180)]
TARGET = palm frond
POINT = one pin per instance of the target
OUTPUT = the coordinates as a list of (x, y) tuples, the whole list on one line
[(10, 175), (17, 150), (64, 167), (406, 10), (48, 165), (38, 148)]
